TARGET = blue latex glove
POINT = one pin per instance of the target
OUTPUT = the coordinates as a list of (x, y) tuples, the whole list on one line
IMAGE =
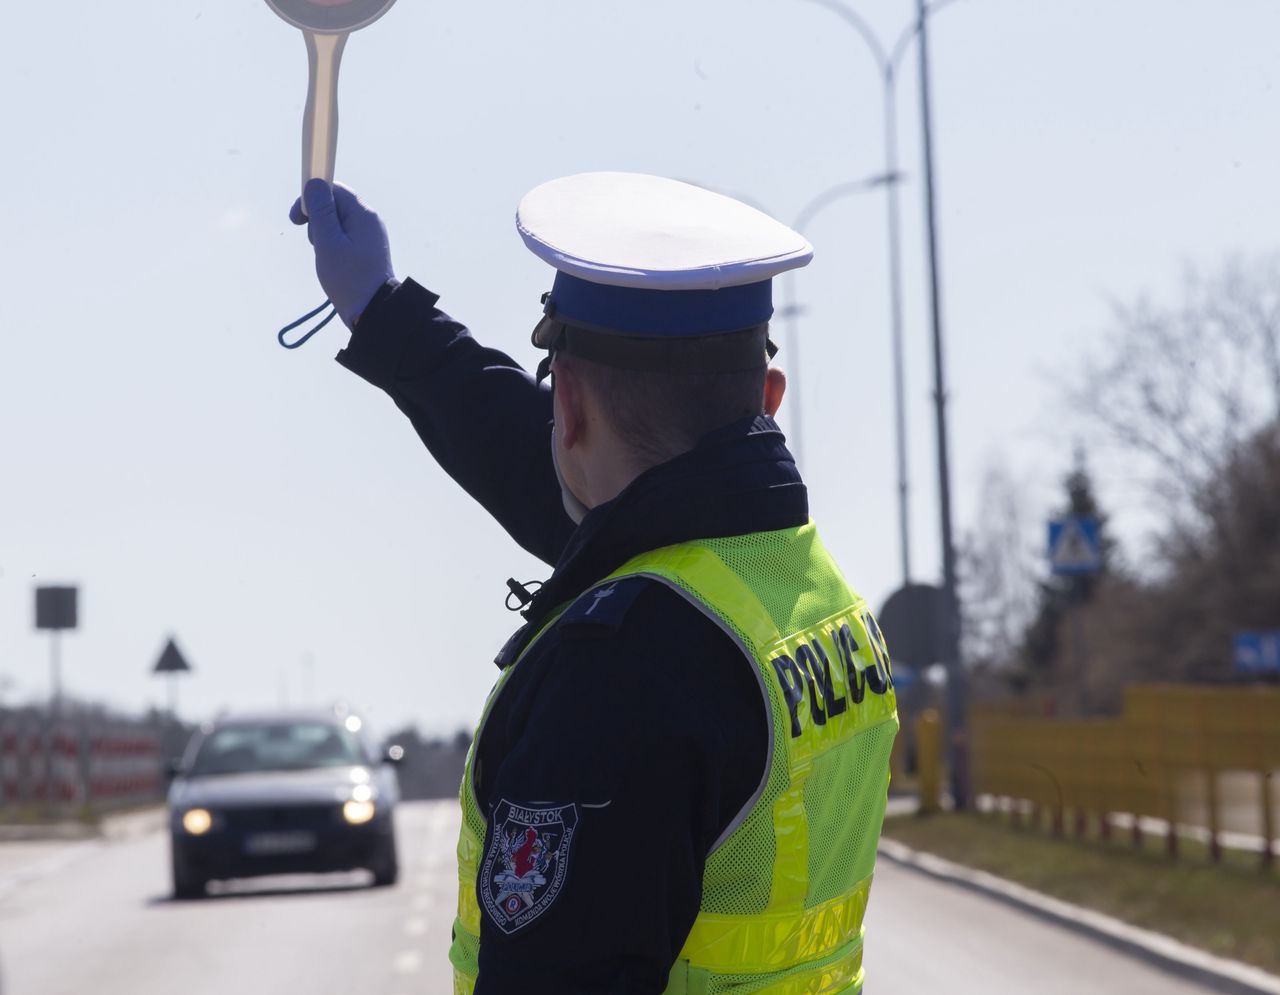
[(353, 257)]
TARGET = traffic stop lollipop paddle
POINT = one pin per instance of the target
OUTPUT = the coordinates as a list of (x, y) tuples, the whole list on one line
[(325, 25)]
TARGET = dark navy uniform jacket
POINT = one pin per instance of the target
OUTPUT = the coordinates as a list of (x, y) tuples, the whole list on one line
[(642, 713)]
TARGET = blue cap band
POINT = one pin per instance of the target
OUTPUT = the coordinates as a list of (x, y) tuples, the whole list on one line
[(674, 313)]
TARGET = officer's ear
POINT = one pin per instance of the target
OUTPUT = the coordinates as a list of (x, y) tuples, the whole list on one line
[(569, 398), (775, 385)]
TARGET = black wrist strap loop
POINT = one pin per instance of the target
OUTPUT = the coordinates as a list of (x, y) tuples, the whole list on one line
[(522, 593), (280, 336)]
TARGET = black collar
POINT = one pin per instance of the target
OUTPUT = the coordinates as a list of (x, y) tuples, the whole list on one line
[(738, 480)]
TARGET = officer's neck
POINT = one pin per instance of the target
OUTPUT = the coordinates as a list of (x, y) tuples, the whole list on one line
[(607, 467), (595, 461)]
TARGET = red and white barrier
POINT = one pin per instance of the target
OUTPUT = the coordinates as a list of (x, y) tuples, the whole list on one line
[(124, 768), (77, 762), (22, 760), (11, 772), (66, 786)]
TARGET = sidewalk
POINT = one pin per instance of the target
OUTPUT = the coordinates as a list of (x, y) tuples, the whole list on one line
[(1219, 973)]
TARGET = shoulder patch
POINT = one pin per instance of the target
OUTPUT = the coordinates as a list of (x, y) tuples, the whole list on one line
[(527, 861), (605, 605)]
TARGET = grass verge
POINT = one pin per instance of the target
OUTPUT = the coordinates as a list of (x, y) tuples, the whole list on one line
[(1231, 909)]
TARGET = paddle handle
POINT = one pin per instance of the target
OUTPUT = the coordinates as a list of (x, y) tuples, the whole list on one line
[(320, 119)]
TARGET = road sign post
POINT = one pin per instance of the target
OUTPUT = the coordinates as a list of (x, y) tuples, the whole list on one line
[(172, 664), (55, 612), (1075, 550)]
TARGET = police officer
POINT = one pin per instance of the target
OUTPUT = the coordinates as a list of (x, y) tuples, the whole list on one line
[(680, 776)]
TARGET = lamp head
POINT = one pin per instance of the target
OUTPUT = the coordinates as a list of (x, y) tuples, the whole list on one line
[(330, 17)]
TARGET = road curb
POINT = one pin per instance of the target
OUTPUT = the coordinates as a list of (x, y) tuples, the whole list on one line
[(51, 832), (112, 826), (132, 825), (1162, 951)]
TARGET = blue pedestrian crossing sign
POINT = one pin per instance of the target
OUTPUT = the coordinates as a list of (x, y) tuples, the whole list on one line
[(1257, 652), (1075, 546)]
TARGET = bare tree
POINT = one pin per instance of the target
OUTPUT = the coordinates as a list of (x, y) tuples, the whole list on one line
[(1182, 387), (997, 572), (1225, 576), (1193, 393)]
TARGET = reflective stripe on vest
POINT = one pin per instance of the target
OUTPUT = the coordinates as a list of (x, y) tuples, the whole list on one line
[(785, 888)]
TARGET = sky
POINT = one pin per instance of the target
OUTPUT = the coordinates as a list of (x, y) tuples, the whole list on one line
[(279, 517)]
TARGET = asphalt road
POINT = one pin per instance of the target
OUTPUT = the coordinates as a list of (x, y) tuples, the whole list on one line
[(95, 919)]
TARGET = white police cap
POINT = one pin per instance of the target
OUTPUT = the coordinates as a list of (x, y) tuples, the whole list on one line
[(645, 257), (654, 233)]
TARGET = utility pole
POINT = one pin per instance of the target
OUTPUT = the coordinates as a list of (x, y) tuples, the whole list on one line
[(957, 704), (887, 62)]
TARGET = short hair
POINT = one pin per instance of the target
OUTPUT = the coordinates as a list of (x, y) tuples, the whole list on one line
[(658, 416)]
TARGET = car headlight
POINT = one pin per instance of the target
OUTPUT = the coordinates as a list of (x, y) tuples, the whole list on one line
[(358, 812), (197, 821)]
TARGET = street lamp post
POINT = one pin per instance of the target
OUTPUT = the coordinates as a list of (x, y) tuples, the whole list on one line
[(887, 65), (887, 62), (790, 309)]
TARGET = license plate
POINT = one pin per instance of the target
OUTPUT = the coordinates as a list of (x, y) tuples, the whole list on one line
[(275, 844)]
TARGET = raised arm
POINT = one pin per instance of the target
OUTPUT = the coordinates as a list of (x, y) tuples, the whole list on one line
[(479, 413)]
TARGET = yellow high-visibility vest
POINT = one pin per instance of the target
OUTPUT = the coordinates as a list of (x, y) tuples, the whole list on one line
[(785, 887)]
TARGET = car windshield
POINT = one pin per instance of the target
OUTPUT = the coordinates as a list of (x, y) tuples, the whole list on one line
[(241, 749)]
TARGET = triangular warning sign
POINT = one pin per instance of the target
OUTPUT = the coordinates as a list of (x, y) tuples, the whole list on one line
[(171, 660)]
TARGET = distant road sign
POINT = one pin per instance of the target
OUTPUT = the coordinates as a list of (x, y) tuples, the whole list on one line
[(913, 621), (904, 677), (171, 660), (1075, 546), (1257, 652), (55, 607)]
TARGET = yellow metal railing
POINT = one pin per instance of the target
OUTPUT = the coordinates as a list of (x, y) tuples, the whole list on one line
[(1185, 754)]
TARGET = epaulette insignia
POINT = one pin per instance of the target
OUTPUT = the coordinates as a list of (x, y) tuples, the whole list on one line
[(605, 605)]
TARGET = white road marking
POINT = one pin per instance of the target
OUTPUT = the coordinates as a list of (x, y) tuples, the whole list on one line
[(416, 926)]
